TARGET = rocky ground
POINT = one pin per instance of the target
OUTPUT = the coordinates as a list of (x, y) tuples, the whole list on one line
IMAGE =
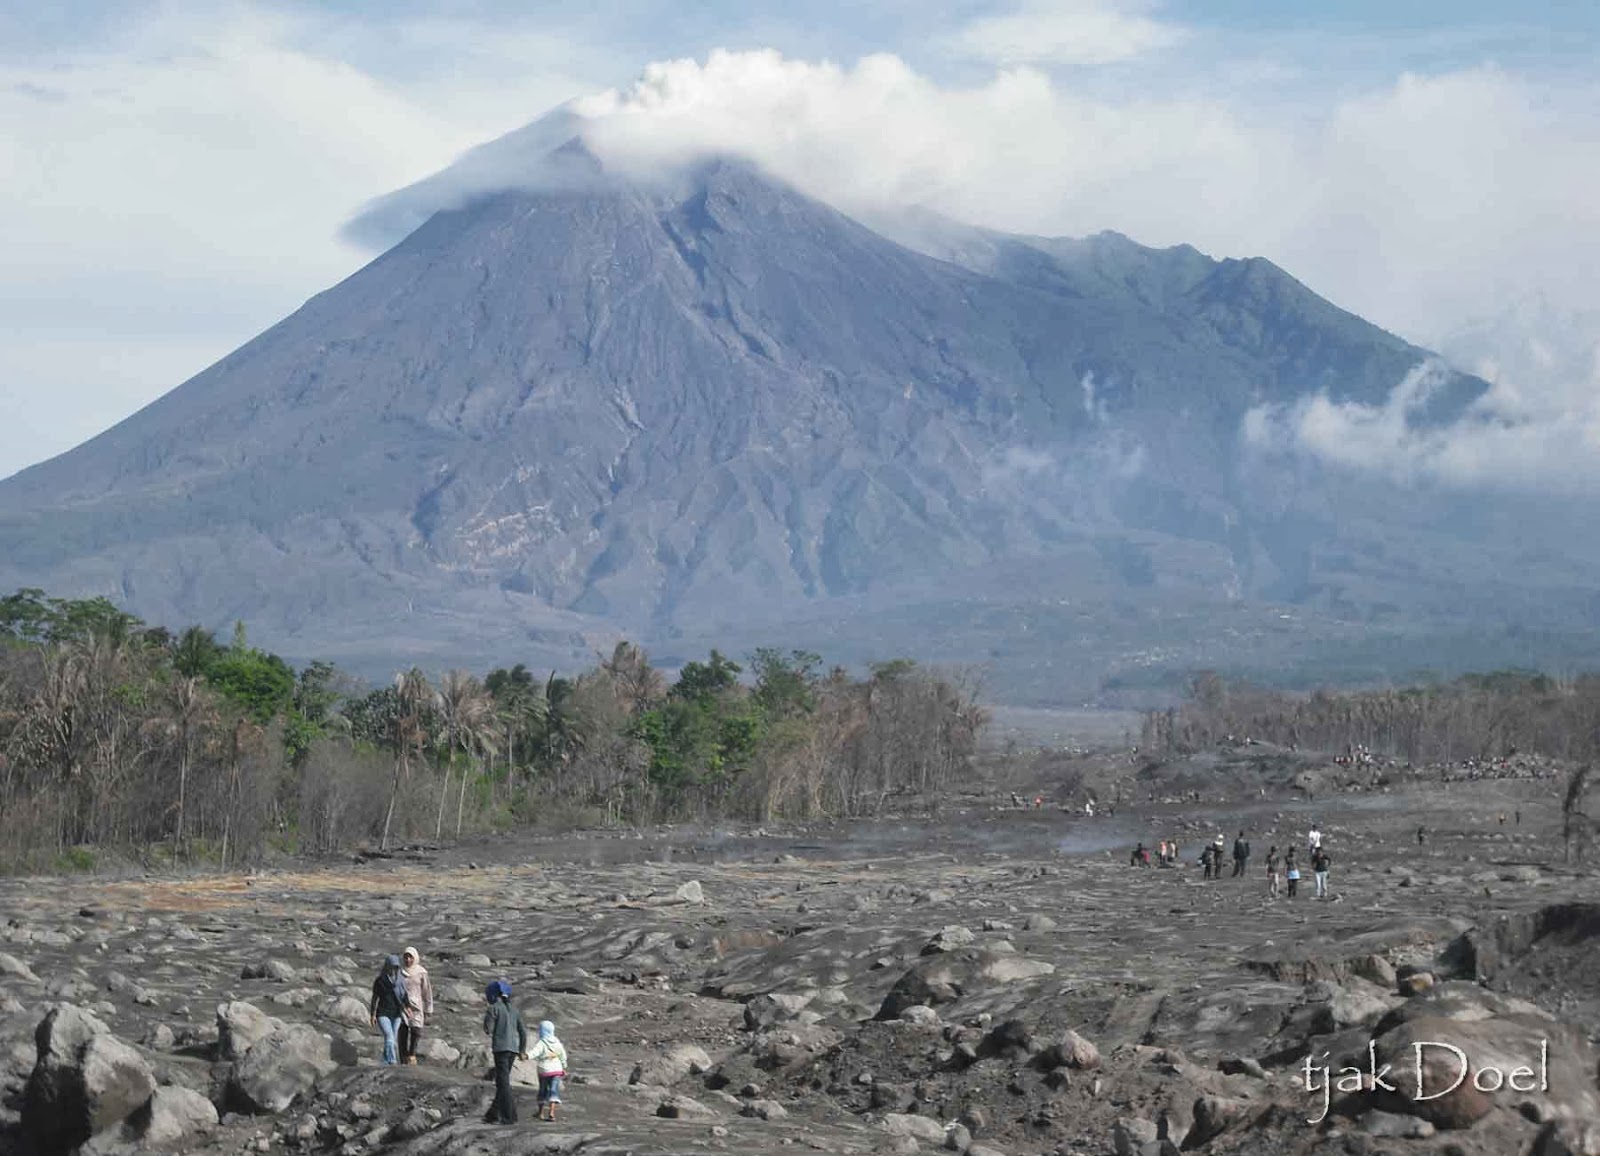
[(987, 979)]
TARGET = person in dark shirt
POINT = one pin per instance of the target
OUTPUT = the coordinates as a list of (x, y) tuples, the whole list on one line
[(508, 1039), (388, 1006), (1241, 855), (1319, 868)]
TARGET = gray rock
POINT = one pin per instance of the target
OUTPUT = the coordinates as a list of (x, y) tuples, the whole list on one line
[(1393, 1126), (84, 1080), (239, 1026), (764, 1110), (278, 1067), (438, 1051), (1070, 1050), (949, 939), (690, 892), (1129, 1134), (683, 1108), (348, 1011), (170, 1115), (662, 1071), (922, 1129), (15, 968), (765, 1011)]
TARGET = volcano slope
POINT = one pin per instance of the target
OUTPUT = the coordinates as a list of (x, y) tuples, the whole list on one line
[(713, 411), (987, 980)]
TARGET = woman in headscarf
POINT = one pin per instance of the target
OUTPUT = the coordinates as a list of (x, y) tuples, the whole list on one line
[(418, 1003), (388, 1006)]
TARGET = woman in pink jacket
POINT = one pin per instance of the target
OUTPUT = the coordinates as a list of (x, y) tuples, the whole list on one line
[(419, 1003)]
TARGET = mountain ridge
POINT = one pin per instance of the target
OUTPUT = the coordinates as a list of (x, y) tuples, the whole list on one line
[(551, 416)]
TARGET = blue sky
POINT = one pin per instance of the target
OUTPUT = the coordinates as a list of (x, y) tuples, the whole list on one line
[(174, 176)]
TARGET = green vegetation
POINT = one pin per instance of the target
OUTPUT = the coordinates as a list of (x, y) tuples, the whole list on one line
[(180, 748)]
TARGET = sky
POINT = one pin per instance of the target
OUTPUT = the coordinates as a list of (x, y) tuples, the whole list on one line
[(176, 177)]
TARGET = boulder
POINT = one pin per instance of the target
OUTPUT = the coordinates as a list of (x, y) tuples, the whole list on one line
[(683, 1108), (279, 1067), (348, 1011), (437, 1050), (170, 1115), (690, 892), (84, 1080), (1494, 1048), (949, 939), (922, 1129), (1130, 1134), (1214, 1115), (1393, 1126), (239, 1026), (765, 1011), (1069, 1050), (14, 968), (942, 977), (661, 1071)]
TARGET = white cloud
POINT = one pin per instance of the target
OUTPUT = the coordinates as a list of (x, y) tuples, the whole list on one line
[(1538, 431), (210, 164), (1066, 32), (176, 191), (1418, 204)]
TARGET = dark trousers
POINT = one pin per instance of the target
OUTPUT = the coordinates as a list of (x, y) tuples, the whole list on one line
[(504, 1108), (408, 1037), (1238, 864)]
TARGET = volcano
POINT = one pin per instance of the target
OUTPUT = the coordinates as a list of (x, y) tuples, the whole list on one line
[(711, 410)]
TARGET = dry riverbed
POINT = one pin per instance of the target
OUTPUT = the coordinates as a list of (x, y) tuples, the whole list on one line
[(987, 980)]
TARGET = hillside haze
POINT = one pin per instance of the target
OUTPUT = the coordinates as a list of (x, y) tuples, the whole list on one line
[(718, 411)]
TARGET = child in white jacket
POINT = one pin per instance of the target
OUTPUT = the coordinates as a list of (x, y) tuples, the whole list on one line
[(550, 1056)]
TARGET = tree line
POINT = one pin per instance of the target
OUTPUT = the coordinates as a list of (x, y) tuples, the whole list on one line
[(1479, 718), (1476, 716), (183, 747)]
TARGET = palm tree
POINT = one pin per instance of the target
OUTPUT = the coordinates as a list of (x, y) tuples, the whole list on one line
[(467, 712), (413, 697)]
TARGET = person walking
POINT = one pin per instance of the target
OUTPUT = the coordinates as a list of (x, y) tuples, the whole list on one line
[(1241, 854), (1319, 870), (419, 1003), (1207, 859), (1273, 862), (388, 1006), (550, 1057), (1291, 873), (508, 1039), (1313, 839)]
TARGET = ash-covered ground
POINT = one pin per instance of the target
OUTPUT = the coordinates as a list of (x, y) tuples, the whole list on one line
[(984, 978)]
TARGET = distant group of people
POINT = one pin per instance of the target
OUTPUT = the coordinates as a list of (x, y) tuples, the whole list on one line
[(402, 999), (1283, 870), (1166, 854)]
